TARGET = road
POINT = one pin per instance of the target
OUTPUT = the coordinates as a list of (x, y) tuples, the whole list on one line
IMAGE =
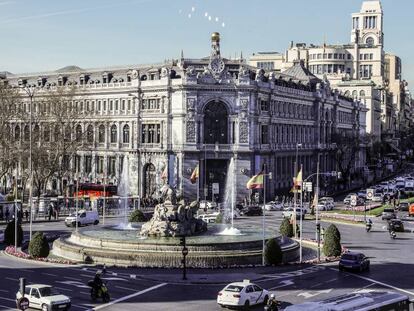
[(157, 289)]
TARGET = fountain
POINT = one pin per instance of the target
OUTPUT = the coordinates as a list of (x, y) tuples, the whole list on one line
[(157, 244), (123, 191)]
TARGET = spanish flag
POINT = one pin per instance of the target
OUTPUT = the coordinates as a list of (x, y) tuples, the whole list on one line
[(194, 175), (297, 182), (256, 182)]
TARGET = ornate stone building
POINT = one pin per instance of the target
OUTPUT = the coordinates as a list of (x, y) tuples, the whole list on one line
[(174, 116)]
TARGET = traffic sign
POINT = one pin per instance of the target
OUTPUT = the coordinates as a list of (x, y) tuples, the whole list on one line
[(370, 194), (353, 200), (307, 186), (23, 303)]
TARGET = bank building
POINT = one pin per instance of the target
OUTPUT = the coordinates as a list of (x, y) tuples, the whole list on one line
[(157, 123)]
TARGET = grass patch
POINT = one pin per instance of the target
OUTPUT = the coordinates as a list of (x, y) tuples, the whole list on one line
[(409, 200), (374, 212)]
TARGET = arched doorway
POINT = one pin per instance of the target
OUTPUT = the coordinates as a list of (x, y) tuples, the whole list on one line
[(149, 180), (216, 123)]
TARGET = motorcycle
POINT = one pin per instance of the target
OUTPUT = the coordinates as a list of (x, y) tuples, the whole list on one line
[(368, 226), (393, 235), (101, 292), (272, 306)]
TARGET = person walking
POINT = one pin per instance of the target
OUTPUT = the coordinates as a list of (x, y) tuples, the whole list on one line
[(26, 214)]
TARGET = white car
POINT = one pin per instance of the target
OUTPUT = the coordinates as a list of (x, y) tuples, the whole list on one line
[(242, 294), (83, 218), (208, 218), (378, 197), (207, 205), (273, 206), (45, 298)]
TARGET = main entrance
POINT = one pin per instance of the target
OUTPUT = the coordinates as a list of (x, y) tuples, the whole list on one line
[(215, 179)]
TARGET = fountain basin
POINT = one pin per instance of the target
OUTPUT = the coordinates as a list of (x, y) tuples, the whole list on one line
[(123, 248)]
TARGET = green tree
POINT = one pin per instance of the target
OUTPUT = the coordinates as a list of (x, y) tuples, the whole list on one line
[(332, 241), (38, 246), (286, 228), (137, 216), (273, 252), (9, 234)]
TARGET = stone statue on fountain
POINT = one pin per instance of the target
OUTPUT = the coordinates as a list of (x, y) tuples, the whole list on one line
[(173, 219)]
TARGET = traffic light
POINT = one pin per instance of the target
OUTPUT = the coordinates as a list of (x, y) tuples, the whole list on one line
[(318, 228), (182, 241)]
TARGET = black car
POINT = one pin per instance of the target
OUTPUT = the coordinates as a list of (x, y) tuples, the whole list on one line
[(252, 210), (403, 206), (354, 261), (396, 225)]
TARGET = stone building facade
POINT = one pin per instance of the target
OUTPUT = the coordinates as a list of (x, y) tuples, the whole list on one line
[(157, 123)]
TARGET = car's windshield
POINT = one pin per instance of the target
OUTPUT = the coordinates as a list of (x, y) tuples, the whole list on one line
[(349, 257), (388, 210), (234, 288), (48, 291)]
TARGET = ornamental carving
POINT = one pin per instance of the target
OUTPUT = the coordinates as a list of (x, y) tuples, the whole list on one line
[(243, 133), (191, 103), (191, 132), (244, 103)]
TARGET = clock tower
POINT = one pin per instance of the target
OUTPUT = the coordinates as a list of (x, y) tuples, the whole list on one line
[(216, 65)]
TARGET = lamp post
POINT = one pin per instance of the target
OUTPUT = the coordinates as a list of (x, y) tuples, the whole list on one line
[(30, 93), (295, 196), (264, 213)]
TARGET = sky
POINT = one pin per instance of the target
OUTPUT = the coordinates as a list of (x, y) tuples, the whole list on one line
[(42, 35)]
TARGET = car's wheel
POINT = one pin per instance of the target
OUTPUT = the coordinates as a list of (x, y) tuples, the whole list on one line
[(247, 305), (265, 300), (96, 222), (44, 307)]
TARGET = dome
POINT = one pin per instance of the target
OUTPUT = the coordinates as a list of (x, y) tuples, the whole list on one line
[(215, 36)]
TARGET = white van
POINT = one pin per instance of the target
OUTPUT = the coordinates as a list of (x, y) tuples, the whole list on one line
[(83, 218)]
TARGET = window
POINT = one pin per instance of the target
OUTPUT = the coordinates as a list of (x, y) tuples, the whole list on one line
[(354, 94), (365, 71), (150, 134), (99, 164), (264, 105), (114, 134), (46, 133), (362, 93), (68, 133), (101, 134), (36, 133), (111, 166), (78, 133), (265, 65), (77, 159), (125, 134), (330, 56), (123, 105), (89, 134), (88, 164), (26, 133), (265, 134)]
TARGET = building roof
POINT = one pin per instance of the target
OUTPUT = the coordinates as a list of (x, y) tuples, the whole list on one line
[(301, 73)]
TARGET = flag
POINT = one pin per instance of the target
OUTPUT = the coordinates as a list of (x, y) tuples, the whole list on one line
[(194, 175), (164, 174), (256, 182), (297, 182)]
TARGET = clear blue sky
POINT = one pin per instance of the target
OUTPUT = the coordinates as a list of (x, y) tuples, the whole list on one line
[(38, 35)]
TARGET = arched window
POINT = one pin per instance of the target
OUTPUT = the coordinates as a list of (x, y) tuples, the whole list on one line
[(46, 133), (68, 135), (36, 133), (78, 133), (89, 134), (347, 94), (101, 134), (362, 93), (114, 134), (125, 134), (354, 94), (26, 133), (56, 133), (215, 123), (17, 133)]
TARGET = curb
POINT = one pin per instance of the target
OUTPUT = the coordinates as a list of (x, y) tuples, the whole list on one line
[(62, 265)]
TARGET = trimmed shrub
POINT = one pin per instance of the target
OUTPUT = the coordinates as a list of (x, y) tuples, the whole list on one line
[(332, 242), (286, 228), (137, 216), (38, 246), (273, 252), (9, 234)]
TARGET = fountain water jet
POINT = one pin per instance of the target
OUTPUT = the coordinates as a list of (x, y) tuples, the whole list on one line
[(123, 191)]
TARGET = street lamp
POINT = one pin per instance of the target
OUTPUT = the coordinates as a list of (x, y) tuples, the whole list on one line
[(30, 93), (264, 212)]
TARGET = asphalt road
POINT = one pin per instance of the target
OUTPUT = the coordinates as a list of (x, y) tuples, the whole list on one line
[(157, 289)]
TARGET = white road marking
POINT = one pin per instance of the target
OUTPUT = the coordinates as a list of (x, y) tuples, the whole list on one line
[(69, 278), (8, 299), (11, 279), (6, 307), (132, 276), (380, 283), (27, 270), (84, 293), (307, 295), (130, 296), (4, 291), (73, 283), (113, 279), (81, 307), (61, 288), (50, 274)]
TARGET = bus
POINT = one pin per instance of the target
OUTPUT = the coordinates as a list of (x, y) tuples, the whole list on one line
[(358, 301)]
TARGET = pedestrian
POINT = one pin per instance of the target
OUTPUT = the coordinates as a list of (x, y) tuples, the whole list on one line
[(322, 233), (26, 214)]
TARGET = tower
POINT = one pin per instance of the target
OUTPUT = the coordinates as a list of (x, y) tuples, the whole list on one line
[(215, 44), (367, 25)]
